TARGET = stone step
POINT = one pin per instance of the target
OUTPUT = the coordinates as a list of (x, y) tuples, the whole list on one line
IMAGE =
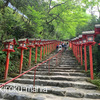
[(36, 96), (56, 70), (69, 91), (64, 65), (58, 73), (60, 69), (67, 60), (67, 67), (58, 77), (64, 82), (58, 83)]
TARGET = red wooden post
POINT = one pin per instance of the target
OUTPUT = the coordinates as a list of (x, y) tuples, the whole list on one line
[(75, 50), (21, 61), (41, 53), (80, 44), (30, 56), (91, 61), (36, 48), (7, 65), (44, 51), (37, 44), (81, 56), (78, 53), (48, 48), (72, 47), (85, 57)]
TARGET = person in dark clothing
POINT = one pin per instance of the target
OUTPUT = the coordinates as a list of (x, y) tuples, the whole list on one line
[(62, 45)]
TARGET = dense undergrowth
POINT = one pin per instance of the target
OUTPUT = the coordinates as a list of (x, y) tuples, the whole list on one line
[(14, 62), (36, 19)]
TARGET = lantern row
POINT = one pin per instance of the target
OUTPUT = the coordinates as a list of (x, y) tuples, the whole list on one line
[(48, 47), (86, 39)]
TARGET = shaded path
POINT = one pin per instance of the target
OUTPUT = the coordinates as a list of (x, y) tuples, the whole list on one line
[(64, 82)]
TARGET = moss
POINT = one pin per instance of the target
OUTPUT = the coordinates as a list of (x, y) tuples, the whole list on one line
[(95, 82)]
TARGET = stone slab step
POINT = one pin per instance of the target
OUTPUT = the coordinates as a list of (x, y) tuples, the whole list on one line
[(64, 65), (58, 77), (56, 70), (77, 84), (64, 68), (69, 92), (36, 96), (58, 73)]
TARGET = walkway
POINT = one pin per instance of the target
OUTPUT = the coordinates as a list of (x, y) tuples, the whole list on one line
[(64, 82)]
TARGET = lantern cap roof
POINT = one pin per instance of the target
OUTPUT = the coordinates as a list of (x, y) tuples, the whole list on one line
[(43, 40), (88, 32), (37, 39), (25, 39), (97, 25), (73, 39), (80, 36), (77, 38), (31, 39), (9, 40)]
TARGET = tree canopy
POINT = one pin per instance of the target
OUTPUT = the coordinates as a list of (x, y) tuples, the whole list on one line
[(44, 18)]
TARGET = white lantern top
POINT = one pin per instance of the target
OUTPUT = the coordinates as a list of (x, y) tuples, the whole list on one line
[(97, 25), (80, 36), (37, 39), (31, 39), (77, 38), (21, 40), (88, 32), (10, 40)]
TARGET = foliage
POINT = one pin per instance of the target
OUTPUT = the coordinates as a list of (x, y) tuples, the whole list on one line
[(40, 19)]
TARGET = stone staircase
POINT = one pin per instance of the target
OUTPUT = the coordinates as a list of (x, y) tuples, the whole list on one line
[(64, 82)]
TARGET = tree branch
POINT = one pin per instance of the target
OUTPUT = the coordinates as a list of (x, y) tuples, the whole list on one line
[(56, 6), (50, 4), (53, 18)]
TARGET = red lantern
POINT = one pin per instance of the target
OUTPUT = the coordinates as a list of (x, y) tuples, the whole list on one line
[(78, 49), (8, 47), (97, 29), (23, 43), (22, 46), (80, 43), (41, 45), (89, 36), (37, 44), (31, 44)]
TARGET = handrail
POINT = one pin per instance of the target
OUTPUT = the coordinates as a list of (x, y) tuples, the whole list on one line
[(29, 70)]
